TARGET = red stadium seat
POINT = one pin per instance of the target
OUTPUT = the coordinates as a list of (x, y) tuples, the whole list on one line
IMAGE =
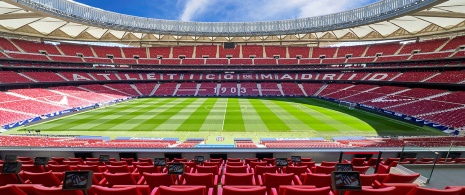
[(48, 179), (274, 180), (328, 164), (208, 169), (317, 180), (11, 190), (428, 191), (370, 191), (297, 170), (201, 179), (118, 163), (397, 178), (59, 168), (33, 168), (323, 169), (118, 169), (41, 190), (303, 190), (240, 179), (99, 190), (182, 190), (9, 179), (146, 169), (231, 163), (248, 160), (111, 179), (357, 161), (128, 161), (157, 179), (236, 169), (253, 164), (243, 190), (361, 169)]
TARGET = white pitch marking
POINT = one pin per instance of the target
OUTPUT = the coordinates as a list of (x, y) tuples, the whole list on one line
[(224, 116)]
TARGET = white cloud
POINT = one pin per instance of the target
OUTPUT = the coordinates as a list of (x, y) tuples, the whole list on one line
[(262, 10), (194, 8)]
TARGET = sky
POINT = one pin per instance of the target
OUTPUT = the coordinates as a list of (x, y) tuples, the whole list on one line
[(226, 10)]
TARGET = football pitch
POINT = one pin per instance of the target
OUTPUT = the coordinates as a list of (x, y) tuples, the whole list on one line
[(229, 118)]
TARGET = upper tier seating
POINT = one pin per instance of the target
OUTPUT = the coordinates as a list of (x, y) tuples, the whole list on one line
[(12, 77), (384, 49), (104, 52), (328, 52), (131, 52), (5, 44), (355, 51), (163, 52), (44, 76), (35, 47), (206, 51), (73, 50), (414, 76), (302, 52), (272, 51), (448, 77), (455, 43), (252, 50), (186, 51), (423, 46), (233, 53)]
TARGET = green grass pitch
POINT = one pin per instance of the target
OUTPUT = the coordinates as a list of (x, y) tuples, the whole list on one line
[(228, 117)]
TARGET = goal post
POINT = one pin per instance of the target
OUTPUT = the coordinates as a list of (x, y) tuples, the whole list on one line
[(350, 105)]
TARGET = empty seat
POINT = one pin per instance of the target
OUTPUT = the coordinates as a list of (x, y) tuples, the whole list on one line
[(234, 163), (253, 164), (41, 190), (47, 179), (328, 164), (357, 161), (398, 178), (274, 180), (371, 191), (241, 179), (303, 190), (59, 168), (317, 180), (243, 190), (323, 169), (236, 169), (33, 168), (157, 179), (115, 191), (111, 179), (428, 191), (361, 169), (128, 161), (118, 169), (11, 190), (147, 169), (9, 179), (297, 170), (120, 163), (182, 190), (201, 179)]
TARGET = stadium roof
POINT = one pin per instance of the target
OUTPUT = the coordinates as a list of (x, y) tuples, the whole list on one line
[(383, 20)]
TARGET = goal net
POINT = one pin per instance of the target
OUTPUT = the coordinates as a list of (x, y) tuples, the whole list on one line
[(350, 105)]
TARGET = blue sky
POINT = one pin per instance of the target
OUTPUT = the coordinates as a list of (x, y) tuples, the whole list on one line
[(226, 10)]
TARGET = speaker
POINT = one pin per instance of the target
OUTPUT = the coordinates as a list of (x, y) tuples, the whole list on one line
[(229, 45)]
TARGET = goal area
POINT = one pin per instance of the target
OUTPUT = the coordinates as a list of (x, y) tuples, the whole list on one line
[(350, 105)]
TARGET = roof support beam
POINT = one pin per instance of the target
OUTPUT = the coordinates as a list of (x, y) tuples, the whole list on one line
[(439, 14), (22, 15)]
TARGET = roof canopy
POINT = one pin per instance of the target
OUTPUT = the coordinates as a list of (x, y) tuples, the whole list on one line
[(387, 19)]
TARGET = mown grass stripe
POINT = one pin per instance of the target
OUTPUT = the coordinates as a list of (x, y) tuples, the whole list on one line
[(180, 117), (233, 119), (198, 117), (155, 121), (273, 122), (214, 120), (252, 121)]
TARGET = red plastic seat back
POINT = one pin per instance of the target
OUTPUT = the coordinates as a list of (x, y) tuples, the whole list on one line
[(135, 164), (397, 178), (308, 164), (184, 190), (218, 164), (367, 191), (128, 161), (41, 190), (361, 169), (119, 179), (328, 164), (93, 168), (233, 160), (297, 170), (390, 160), (248, 160), (72, 163), (11, 190), (207, 169), (59, 168), (158, 179), (303, 190), (230, 163), (324, 169), (47, 179), (274, 180), (236, 169), (8, 179), (179, 160), (317, 180), (59, 160), (260, 170), (199, 179), (149, 160), (244, 190), (253, 165), (33, 168), (147, 169), (270, 161), (115, 191), (118, 169), (118, 163), (357, 161), (367, 180), (428, 191), (242, 179), (76, 160)]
